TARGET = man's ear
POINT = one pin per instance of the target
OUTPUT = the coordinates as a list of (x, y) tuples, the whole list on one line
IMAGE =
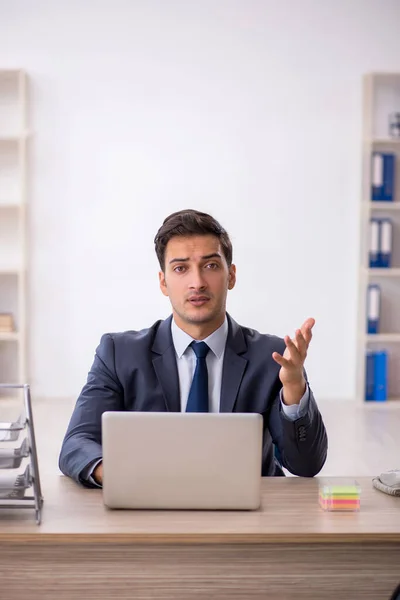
[(232, 277), (163, 283)]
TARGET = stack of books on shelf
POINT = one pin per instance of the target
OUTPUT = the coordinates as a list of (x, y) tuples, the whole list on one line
[(6, 323), (383, 176), (376, 376), (381, 242), (380, 257), (382, 190)]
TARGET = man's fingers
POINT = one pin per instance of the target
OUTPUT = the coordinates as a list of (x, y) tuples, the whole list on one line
[(296, 349), (293, 351), (310, 322), (306, 329), (307, 326), (301, 343), (283, 362)]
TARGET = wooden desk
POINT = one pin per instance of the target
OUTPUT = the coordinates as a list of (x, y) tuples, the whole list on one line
[(288, 549)]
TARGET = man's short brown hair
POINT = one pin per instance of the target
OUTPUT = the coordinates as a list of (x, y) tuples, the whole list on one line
[(190, 222)]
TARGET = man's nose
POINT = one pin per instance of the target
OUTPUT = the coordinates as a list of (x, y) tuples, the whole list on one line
[(197, 281)]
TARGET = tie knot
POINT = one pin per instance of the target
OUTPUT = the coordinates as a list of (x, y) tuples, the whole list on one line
[(200, 349)]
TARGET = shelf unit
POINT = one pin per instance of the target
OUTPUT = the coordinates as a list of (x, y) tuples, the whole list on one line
[(381, 96), (13, 223)]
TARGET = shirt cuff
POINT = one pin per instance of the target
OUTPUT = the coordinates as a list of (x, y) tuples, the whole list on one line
[(296, 411), (87, 473)]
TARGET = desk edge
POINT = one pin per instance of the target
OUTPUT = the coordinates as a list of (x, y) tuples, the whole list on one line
[(196, 539)]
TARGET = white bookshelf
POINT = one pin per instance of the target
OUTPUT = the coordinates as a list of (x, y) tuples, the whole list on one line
[(13, 223), (381, 96)]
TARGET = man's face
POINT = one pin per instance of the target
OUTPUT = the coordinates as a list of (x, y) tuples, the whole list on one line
[(196, 279)]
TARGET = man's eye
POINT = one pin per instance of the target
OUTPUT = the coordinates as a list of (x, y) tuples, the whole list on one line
[(179, 269), (212, 266)]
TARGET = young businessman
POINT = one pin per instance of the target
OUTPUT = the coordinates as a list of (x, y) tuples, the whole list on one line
[(200, 360)]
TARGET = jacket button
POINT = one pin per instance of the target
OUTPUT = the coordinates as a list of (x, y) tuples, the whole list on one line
[(302, 433)]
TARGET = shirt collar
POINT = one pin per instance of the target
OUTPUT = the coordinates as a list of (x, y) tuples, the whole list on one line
[(216, 341)]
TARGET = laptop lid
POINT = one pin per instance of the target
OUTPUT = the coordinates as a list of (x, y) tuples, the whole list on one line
[(170, 460)]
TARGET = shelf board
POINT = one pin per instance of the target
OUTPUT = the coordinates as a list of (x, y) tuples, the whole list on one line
[(386, 76), (383, 337), (390, 403), (384, 272), (10, 271), (10, 205), (384, 141), (13, 139), (384, 205), (11, 336), (10, 73)]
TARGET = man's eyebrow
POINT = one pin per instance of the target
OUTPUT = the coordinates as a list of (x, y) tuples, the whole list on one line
[(213, 255), (207, 257), (178, 260)]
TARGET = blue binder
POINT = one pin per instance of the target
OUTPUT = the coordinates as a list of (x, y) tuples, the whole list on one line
[(374, 243), (381, 376), (385, 243), (373, 308), (370, 375), (383, 177)]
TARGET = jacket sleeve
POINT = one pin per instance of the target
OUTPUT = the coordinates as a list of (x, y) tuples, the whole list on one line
[(302, 444), (102, 392)]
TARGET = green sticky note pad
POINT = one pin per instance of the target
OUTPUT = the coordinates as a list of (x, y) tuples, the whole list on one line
[(344, 489)]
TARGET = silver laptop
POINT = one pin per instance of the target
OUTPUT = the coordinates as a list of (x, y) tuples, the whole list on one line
[(154, 460)]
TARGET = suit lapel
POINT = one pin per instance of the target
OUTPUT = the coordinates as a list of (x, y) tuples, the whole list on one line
[(234, 366), (164, 364)]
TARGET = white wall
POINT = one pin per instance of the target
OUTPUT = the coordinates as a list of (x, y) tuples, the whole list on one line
[(247, 109)]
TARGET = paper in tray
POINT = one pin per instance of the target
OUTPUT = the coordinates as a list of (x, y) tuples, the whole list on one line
[(9, 432), (11, 458), (14, 486)]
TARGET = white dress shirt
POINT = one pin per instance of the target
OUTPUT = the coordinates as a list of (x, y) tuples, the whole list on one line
[(186, 362)]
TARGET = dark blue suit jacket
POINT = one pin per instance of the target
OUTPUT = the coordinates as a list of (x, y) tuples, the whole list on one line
[(137, 370)]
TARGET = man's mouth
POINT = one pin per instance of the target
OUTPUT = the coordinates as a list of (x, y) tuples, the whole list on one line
[(198, 300)]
